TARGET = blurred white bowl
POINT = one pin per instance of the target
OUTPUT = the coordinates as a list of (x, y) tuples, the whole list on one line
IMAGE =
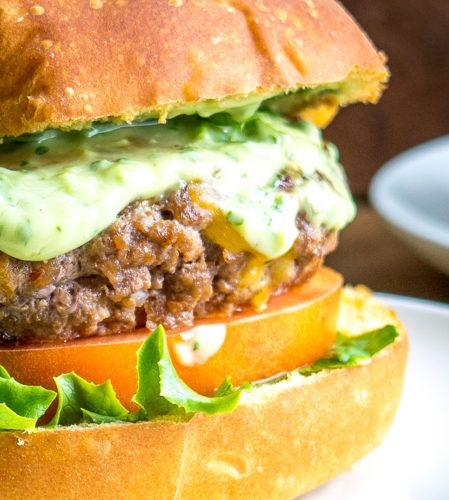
[(411, 193)]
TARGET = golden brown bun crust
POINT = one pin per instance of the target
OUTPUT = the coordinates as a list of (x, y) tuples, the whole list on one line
[(284, 440), (64, 64)]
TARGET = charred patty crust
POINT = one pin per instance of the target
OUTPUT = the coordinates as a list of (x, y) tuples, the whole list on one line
[(153, 265)]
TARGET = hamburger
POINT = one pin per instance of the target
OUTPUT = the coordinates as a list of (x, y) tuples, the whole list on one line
[(167, 326)]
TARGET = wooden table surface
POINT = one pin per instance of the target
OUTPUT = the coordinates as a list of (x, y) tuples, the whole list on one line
[(368, 253)]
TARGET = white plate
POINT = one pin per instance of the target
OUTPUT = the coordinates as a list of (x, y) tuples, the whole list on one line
[(411, 193), (413, 462)]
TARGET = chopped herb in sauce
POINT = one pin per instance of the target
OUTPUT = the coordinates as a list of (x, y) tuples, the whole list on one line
[(234, 219), (278, 201), (25, 232), (41, 150)]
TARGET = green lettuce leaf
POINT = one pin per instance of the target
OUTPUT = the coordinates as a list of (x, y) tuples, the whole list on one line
[(78, 398), (160, 393), (354, 351), (21, 405), (90, 417), (11, 421), (225, 388), (160, 390)]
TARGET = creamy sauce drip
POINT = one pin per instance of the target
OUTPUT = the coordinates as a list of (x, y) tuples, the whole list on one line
[(60, 191)]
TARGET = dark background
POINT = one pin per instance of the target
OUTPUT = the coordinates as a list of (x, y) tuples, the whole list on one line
[(415, 36)]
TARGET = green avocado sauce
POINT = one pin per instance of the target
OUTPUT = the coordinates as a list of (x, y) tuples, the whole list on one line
[(58, 190)]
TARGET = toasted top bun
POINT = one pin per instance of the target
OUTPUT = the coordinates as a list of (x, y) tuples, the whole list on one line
[(282, 441), (66, 64)]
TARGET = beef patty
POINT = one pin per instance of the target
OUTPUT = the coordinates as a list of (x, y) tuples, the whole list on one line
[(154, 265)]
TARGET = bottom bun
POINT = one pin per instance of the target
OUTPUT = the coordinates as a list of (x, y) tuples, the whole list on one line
[(283, 440)]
